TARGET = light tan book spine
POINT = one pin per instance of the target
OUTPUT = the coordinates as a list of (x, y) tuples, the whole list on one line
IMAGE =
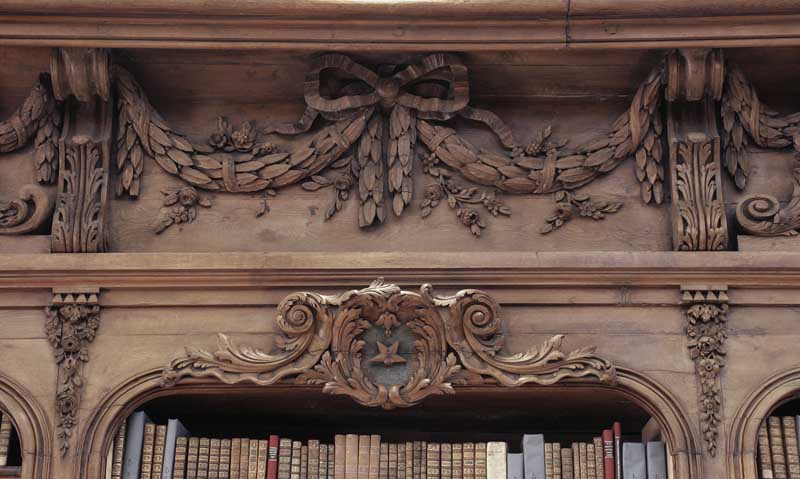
[(363, 457), (556, 460), (202, 458), (468, 471), (583, 457), (566, 464), (776, 445), (244, 458), (548, 460), (5, 437), (236, 454), (446, 461), (284, 458), (416, 458), (764, 453), (432, 458), (263, 452), (213, 459), (119, 453), (303, 462), (401, 461), (192, 454), (599, 467), (252, 459), (790, 446), (297, 451), (331, 460), (423, 473), (409, 460), (480, 460), (179, 465), (146, 469), (339, 456), (322, 469), (351, 456), (225, 453), (383, 465), (392, 461), (374, 456), (590, 468), (496, 457), (313, 459), (458, 461), (576, 461), (158, 451)]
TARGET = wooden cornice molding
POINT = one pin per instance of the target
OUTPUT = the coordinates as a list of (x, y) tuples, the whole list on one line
[(243, 270), (399, 25)]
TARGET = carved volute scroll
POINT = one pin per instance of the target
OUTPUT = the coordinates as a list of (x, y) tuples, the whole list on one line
[(707, 329), (698, 210), (81, 78), (389, 348), (73, 317)]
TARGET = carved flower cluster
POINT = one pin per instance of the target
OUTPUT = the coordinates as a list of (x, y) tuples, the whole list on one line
[(180, 207)]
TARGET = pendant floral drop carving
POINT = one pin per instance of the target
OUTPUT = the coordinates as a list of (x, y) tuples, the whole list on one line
[(385, 347), (72, 321), (707, 330)]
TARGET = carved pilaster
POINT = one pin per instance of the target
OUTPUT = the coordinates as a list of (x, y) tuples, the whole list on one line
[(695, 78), (707, 330), (73, 317), (81, 78)]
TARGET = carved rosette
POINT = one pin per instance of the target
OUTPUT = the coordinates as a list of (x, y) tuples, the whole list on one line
[(72, 321), (389, 348), (707, 330)]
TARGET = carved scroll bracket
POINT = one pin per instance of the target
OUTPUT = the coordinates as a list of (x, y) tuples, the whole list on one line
[(707, 329), (73, 317), (695, 78), (389, 348), (81, 77)]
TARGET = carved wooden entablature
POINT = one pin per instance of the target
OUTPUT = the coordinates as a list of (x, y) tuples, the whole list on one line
[(389, 348)]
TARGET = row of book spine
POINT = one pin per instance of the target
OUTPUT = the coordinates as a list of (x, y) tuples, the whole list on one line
[(778, 454), (144, 450), (6, 430)]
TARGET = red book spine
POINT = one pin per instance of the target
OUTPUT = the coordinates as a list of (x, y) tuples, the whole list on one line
[(608, 453), (272, 457), (618, 449)]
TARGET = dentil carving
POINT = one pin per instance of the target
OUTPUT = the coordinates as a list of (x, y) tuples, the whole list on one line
[(389, 348), (72, 321), (707, 330)]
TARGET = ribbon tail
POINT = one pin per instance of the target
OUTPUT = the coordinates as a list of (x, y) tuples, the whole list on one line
[(300, 126), (494, 123)]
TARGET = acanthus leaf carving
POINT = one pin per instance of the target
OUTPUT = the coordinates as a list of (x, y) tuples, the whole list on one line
[(389, 348), (73, 318)]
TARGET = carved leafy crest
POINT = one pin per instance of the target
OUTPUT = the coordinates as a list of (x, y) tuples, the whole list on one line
[(389, 348)]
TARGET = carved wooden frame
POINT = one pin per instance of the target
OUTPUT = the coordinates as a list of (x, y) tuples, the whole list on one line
[(326, 347)]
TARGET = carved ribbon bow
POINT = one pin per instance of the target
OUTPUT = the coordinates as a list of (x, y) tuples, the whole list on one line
[(436, 88)]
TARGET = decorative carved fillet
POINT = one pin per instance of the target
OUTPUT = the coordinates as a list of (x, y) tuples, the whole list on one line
[(707, 330), (389, 348), (73, 317), (26, 214)]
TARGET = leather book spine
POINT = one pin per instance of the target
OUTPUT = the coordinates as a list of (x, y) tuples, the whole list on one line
[(252, 459), (617, 428), (203, 452), (383, 463), (583, 458), (147, 451), (5, 437), (567, 471), (119, 453), (392, 461), (608, 454), (284, 458), (432, 460), (303, 462), (576, 461), (417, 459), (213, 458), (599, 470), (446, 461), (244, 456), (158, 452), (192, 454), (458, 461), (322, 472), (338, 456), (374, 456), (556, 460), (776, 446), (790, 446), (401, 461), (363, 457), (297, 447), (590, 468), (548, 460), (480, 460), (236, 452), (313, 459), (331, 460), (764, 453), (351, 457), (225, 452), (181, 450), (468, 470), (423, 470)]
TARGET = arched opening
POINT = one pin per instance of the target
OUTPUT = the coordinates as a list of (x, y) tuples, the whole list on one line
[(24, 433), (570, 412)]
